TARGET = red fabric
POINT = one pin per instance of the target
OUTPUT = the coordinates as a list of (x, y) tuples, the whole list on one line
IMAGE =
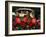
[(25, 19), (22, 23), (32, 22), (17, 20)]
